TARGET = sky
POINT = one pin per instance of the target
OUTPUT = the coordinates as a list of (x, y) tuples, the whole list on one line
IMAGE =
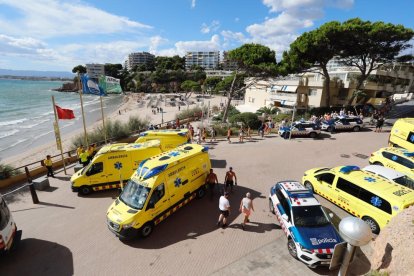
[(57, 35)]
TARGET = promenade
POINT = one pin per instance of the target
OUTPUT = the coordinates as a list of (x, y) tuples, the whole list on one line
[(66, 234)]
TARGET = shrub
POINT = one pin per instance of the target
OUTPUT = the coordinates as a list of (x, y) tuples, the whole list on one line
[(189, 113), (247, 118), (7, 171)]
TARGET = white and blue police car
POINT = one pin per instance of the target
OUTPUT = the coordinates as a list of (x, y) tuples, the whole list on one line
[(310, 232), (343, 123), (300, 128)]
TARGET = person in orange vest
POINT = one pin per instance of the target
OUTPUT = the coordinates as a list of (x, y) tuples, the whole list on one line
[(49, 166)]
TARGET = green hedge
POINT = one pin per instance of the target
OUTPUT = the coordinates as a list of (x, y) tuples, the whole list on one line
[(114, 130), (7, 171), (247, 118), (190, 113)]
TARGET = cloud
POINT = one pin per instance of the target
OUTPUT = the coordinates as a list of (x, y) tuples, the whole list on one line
[(280, 5), (55, 18), (181, 47), (193, 4), (156, 41), (236, 19), (213, 27)]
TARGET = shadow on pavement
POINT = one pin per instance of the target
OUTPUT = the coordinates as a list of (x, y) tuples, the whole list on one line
[(256, 227), (218, 163), (37, 257), (113, 193), (63, 178), (55, 205), (197, 218)]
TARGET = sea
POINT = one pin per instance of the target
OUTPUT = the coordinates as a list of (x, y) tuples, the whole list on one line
[(26, 113)]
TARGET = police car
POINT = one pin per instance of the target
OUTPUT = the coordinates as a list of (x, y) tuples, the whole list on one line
[(301, 128), (342, 123), (311, 235)]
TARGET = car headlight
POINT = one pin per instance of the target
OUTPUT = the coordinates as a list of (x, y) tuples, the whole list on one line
[(128, 225), (304, 249)]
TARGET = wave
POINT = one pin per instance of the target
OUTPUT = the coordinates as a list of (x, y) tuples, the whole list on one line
[(36, 124), (14, 144), (95, 109), (9, 133), (43, 134), (13, 122), (67, 125)]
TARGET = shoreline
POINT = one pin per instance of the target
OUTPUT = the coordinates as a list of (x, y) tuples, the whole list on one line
[(129, 107)]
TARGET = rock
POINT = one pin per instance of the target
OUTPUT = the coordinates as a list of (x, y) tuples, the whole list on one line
[(392, 249)]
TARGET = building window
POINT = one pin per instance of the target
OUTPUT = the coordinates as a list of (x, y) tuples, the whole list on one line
[(252, 100), (313, 92)]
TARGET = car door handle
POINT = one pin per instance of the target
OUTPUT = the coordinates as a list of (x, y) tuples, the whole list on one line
[(109, 174), (172, 195), (337, 190), (103, 175), (165, 201)]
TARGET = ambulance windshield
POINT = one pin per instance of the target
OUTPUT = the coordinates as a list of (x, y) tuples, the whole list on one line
[(134, 195)]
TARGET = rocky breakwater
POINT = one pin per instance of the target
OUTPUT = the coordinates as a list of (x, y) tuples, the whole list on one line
[(68, 87)]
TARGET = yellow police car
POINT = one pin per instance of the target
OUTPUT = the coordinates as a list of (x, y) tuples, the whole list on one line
[(397, 159), (363, 194)]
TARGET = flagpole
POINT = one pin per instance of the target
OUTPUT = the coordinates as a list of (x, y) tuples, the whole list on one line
[(103, 119), (58, 138), (83, 114)]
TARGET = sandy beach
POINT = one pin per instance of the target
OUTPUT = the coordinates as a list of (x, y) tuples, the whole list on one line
[(134, 104)]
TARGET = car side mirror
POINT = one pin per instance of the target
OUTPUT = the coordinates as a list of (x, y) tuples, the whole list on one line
[(285, 217), (151, 205), (88, 173)]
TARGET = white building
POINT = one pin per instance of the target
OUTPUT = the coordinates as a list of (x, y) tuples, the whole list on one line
[(308, 91), (95, 70), (136, 59), (207, 60)]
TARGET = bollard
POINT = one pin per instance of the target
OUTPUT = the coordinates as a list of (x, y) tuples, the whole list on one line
[(356, 233), (35, 199)]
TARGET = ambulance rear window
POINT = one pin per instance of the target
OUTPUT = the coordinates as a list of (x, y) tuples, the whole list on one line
[(410, 137)]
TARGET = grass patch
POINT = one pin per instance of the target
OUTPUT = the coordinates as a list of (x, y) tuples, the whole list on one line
[(7, 171)]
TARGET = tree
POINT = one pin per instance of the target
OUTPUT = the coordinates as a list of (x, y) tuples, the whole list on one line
[(189, 87), (367, 45), (210, 83), (312, 50), (254, 60), (79, 69), (113, 70)]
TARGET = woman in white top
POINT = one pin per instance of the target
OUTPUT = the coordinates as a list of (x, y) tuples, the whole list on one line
[(246, 206)]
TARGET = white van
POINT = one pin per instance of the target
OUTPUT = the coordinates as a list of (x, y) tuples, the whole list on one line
[(390, 174), (8, 229)]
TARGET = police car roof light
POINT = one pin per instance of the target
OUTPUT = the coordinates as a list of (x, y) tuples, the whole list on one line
[(348, 169)]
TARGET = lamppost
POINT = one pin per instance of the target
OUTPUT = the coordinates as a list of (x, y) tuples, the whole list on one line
[(162, 117)]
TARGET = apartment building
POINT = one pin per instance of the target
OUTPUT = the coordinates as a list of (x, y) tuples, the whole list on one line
[(227, 64), (140, 58), (308, 90), (207, 60), (95, 70)]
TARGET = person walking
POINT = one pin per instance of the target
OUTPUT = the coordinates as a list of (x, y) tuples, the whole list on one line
[(49, 166), (224, 207), (211, 182), (229, 135), (380, 123), (246, 206), (230, 179), (203, 135), (241, 134), (249, 133), (212, 135)]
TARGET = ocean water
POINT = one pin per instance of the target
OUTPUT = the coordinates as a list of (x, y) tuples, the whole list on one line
[(26, 113)]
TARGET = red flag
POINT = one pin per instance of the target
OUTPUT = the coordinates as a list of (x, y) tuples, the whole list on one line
[(64, 113)]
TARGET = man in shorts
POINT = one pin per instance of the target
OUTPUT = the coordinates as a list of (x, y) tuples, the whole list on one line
[(211, 182), (230, 179), (224, 207)]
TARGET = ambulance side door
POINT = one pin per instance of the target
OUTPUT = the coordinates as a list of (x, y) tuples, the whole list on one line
[(96, 174), (159, 201)]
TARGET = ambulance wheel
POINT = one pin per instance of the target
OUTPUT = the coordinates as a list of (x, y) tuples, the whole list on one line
[(378, 164), (271, 206), (372, 224), (292, 248), (309, 186), (286, 135), (146, 229), (313, 135), (356, 128), (85, 190), (201, 192)]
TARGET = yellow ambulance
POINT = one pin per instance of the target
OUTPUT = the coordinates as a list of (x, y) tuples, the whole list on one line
[(111, 164), (169, 138), (402, 134), (160, 186), (363, 194)]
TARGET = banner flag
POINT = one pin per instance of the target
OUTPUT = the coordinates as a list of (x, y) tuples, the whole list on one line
[(64, 114), (90, 86), (110, 85)]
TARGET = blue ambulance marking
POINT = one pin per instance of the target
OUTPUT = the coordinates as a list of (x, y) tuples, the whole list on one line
[(118, 165), (376, 201), (369, 179)]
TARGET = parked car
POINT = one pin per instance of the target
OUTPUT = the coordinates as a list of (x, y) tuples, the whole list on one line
[(343, 123), (300, 129), (310, 233)]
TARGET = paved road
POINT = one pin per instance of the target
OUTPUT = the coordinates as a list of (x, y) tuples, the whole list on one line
[(66, 234)]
